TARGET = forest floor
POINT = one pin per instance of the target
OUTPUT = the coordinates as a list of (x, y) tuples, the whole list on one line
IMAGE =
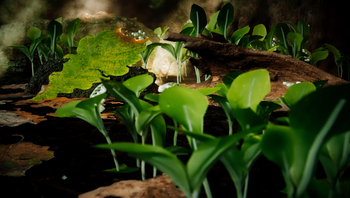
[(77, 167)]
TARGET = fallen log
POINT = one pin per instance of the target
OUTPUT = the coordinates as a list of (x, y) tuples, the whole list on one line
[(219, 59)]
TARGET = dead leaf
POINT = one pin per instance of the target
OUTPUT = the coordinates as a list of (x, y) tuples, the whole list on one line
[(15, 159), (159, 187)]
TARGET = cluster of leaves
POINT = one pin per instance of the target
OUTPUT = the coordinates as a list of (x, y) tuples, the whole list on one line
[(289, 39), (50, 48), (322, 134)]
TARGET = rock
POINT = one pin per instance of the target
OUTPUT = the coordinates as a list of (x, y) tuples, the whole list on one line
[(159, 187)]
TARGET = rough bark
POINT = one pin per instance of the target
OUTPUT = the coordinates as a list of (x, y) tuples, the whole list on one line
[(219, 59)]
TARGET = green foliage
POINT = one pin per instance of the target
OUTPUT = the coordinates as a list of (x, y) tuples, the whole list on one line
[(299, 145), (34, 34), (320, 134), (160, 32), (198, 18), (68, 38), (55, 30), (109, 52), (225, 19), (137, 114)]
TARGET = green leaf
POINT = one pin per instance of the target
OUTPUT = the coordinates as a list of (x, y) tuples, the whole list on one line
[(208, 90), (334, 51), (147, 52), (55, 30), (269, 39), (178, 150), (138, 83), (297, 92), (33, 33), (223, 89), (152, 97), (159, 157), (296, 40), (304, 30), (109, 52), (119, 91), (72, 28), (319, 84), (238, 34), (198, 18), (206, 155), (24, 49), (281, 33), (299, 145), (248, 89), (267, 107), (225, 18), (85, 110), (123, 169), (187, 108), (212, 21), (260, 30), (317, 56), (229, 78)]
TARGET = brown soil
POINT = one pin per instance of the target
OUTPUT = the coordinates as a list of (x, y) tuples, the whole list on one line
[(72, 139)]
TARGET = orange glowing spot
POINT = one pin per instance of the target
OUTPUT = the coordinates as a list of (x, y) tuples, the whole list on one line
[(128, 38)]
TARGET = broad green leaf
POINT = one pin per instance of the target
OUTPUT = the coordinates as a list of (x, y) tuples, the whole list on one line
[(149, 49), (296, 40), (299, 145), (72, 28), (85, 110), (198, 18), (281, 33), (304, 30), (206, 155), (109, 52), (265, 108), (223, 89), (297, 92), (159, 157), (127, 115), (119, 91), (229, 78), (150, 117), (152, 97), (225, 18), (212, 21), (277, 145), (248, 89), (269, 39), (319, 84), (251, 149), (260, 30), (225, 105), (178, 150), (33, 33), (24, 49), (317, 56), (55, 30), (208, 90), (247, 118), (238, 34), (138, 83), (184, 105), (334, 51), (335, 158)]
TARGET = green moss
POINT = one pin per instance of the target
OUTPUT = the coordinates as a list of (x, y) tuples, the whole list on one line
[(108, 53)]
